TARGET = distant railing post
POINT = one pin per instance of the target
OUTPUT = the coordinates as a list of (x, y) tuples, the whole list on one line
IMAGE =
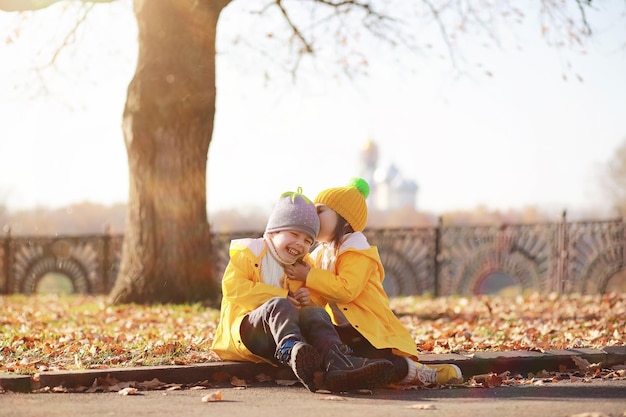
[(436, 261), (562, 253), (7, 260), (437, 254), (621, 266), (106, 244)]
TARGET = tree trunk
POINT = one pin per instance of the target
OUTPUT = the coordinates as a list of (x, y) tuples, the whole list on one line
[(168, 123)]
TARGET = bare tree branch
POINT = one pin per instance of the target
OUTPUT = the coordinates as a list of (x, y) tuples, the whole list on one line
[(443, 30), (583, 14), (377, 23), (66, 41), (308, 48)]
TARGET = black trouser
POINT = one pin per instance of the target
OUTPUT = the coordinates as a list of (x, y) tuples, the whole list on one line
[(276, 321), (363, 348)]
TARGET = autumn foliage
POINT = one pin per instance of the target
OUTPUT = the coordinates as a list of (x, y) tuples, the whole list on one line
[(43, 333)]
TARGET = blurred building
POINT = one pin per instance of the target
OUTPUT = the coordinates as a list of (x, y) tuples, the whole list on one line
[(389, 190)]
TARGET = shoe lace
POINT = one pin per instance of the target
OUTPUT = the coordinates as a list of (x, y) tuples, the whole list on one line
[(340, 354), (345, 349), (427, 375)]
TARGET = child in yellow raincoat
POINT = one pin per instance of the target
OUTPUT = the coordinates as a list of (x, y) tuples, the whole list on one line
[(348, 276), (266, 317)]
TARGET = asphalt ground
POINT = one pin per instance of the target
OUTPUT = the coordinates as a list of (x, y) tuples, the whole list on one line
[(267, 390), (580, 399)]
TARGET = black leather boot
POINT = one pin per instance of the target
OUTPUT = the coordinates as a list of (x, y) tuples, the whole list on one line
[(344, 372)]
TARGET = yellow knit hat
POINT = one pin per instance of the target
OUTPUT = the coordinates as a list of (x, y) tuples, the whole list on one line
[(349, 202)]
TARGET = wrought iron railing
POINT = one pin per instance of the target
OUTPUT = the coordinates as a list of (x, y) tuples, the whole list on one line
[(562, 257)]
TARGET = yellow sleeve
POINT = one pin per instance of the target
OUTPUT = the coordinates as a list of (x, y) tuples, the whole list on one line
[(354, 269), (241, 284)]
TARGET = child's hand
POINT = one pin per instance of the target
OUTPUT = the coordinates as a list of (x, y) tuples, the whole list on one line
[(302, 296), (292, 299), (298, 271)]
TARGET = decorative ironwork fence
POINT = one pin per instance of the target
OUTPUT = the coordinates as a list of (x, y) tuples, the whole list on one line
[(563, 257)]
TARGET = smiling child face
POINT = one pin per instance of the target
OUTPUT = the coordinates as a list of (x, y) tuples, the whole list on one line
[(291, 245)]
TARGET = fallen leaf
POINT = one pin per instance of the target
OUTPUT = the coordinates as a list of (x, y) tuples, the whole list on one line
[(205, 384), (237, 382), (488, 380), (153, 384), (543, 374), (212, 397), (100, 336), (582, 363), (120, 386), (129, 391), (263, 378), (286, 382)]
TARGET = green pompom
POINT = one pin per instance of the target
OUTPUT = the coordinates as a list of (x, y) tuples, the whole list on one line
[(361, 185)]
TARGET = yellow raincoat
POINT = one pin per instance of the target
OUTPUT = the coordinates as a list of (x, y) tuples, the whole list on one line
[(356, 286), (243, 291)]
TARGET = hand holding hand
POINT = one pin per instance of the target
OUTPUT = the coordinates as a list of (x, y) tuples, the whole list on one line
[(303, 296), (298, 271), (292, 299)]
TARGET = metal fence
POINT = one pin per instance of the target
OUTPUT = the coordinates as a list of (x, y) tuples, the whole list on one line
[(561, 257)]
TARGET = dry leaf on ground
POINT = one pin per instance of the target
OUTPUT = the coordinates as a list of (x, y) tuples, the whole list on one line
[(212, 397), (286, 382), (129, 391), (238, 382), (83, 332)]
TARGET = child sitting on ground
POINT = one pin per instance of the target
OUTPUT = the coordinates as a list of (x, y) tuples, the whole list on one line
[(265, 317), (348, 275)]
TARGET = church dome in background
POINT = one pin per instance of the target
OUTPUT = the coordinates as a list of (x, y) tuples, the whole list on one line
[(369, 152), (391, 175), (386, 173)]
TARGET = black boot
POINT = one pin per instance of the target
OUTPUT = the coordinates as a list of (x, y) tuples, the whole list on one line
[(344, 372), (303, 359)]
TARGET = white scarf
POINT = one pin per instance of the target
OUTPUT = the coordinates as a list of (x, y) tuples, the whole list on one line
[(272, 267), (328, 256), (327, 252)]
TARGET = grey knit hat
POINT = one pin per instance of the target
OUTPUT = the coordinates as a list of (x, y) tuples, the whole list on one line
[(294, 211)]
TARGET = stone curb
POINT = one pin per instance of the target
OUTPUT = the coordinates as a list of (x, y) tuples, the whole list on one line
[(516, 362)]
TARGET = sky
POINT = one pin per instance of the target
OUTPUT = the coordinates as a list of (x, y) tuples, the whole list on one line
[(533, 126)]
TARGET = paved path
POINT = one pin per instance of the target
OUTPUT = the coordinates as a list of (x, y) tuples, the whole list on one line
[(600, 398), (560, 399)]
